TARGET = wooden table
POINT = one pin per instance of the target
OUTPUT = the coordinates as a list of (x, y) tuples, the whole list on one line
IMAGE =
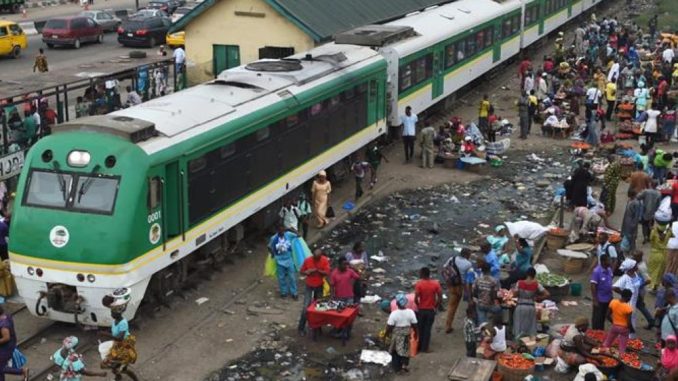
[(471, 369)]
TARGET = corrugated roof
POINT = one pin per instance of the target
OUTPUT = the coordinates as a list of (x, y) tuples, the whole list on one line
[(324, 18), (321, 19)]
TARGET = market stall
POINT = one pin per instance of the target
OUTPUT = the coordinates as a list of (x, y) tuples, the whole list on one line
[(337, 314)]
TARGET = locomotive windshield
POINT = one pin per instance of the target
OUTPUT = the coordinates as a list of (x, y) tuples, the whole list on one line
[(89, 193)]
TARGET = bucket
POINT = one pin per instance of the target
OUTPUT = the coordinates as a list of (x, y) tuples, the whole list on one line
[(575, 289), (460, 164)]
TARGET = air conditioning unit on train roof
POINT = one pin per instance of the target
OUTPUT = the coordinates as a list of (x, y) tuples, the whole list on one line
[(374, 35)]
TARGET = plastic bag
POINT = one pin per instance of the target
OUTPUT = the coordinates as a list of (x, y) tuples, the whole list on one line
[(561, 366), (270, 267), (18, 359), (300, 252), (526, 229), (414, 343), (105, 349), (664, 212), (589, 368)]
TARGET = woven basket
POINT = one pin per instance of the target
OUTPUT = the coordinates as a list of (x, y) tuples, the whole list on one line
[(626, 170), (573, 265), (511, 374), (556, 241)]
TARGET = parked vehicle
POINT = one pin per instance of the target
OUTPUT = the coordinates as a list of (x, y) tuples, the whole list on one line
[(177, 39), (71, 31), (107, 21), (149, 12), (144, 32), (12, 39), (179, 13), (168, 6), (11, 6)]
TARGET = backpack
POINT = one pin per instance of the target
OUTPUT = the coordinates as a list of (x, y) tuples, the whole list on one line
[(450, 272), (620, 257)]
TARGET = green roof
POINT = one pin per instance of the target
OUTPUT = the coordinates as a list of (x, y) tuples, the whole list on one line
[(321, 19)]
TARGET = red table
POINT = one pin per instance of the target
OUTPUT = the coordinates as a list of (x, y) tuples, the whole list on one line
[(342, 321)]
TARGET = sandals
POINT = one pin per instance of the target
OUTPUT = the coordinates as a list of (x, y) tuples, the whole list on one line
[(27, 373)]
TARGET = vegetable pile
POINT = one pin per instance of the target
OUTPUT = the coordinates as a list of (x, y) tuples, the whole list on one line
[(634, 344), (604, 361), (596, 335), (551, 280), (631, 359), (515, 361)]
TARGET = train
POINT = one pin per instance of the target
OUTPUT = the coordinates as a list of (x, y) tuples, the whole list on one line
[(151, 196)]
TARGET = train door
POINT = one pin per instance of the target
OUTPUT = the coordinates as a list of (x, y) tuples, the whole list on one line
[(438, 78), (541, 15), (569, 9), (173, 200), (496, 48)]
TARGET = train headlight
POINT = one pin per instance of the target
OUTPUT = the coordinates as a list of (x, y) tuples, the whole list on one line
[(30, 271), (91, 278), (38, 272), (79, 158), (80, 277)]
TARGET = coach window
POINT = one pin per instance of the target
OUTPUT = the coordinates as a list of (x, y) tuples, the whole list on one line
[(471, 47), (154, 193), (515, 27), (459, 46), (480, 40), (506, 28), (405, 76), (419, 70), (263, 134), (489, 34), (197, 165), (316, 109), (227, 151), (449, 55), (335, 102)]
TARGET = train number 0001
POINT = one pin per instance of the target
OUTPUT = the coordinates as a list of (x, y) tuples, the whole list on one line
[(155, 216)]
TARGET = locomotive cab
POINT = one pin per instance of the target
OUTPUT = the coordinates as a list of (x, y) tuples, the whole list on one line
[(73, 222)]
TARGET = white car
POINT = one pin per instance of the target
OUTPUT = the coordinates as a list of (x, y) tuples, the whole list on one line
[(179, 13), (105, 20)]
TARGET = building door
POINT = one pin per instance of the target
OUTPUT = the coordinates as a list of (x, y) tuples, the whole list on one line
[(224, 57)]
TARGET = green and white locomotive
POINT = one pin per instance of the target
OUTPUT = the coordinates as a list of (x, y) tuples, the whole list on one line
[(146, 197)]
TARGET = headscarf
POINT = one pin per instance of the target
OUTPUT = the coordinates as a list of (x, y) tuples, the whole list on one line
[(401, 300), (670, 278), (627, 265), (499, 228), (70, 343), (322, 174), (581, 321), (670, 356)]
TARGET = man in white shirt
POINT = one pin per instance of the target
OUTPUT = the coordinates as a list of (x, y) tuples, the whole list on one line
[(668, 54), (409, 122), (613, 74), (179, 58), (593, 95)]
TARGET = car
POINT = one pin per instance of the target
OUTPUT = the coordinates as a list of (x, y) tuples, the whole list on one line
[(12, 39), (177, 39), (107, 21), (71, 31), (144, 31), (148, 12), (179, 13), (169, 6)]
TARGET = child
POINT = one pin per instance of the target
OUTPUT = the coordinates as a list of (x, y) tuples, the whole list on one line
[(669, 359), (619, 313), (494, 342), (470, 332)]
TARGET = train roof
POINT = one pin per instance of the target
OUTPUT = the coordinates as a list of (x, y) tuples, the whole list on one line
[(439, 23), (235, 92)]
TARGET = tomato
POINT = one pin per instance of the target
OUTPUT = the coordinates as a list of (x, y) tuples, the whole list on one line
[(515, 361)]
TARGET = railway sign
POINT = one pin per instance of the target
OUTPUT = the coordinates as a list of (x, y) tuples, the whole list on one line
[(10, 165)]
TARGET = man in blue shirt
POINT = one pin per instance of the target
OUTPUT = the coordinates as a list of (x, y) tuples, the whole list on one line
[(409, 121), (601, 291), (280, 248), (491, 259)]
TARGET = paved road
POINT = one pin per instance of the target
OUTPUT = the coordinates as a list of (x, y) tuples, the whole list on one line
[(59, 58), (39, 14)]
